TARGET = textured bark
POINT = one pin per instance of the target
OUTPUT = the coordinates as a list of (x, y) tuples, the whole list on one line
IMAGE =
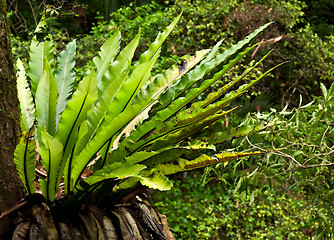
[(11, 188), (135, 219)]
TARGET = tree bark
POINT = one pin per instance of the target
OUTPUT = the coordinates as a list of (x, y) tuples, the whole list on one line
[(11, 187)]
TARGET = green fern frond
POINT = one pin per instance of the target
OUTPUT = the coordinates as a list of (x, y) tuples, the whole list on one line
[(27, 105), (51, 157), (39, 54), (46, 103), (25, 160), (204, 160), (65, 77)]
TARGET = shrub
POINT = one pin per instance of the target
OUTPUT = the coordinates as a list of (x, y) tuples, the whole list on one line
[(213, 213)]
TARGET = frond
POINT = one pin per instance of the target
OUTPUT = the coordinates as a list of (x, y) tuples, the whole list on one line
[(27, 105), (65, 77), (25, 160)]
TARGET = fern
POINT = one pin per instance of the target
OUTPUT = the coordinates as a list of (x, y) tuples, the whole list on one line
[(128, 126)]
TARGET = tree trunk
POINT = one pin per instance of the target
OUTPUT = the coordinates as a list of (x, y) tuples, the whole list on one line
[(11, 188)]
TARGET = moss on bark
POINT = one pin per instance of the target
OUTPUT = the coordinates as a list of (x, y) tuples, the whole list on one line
[(11, 189)]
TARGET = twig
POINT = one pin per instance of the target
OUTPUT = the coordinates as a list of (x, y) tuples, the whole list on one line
[(33, 13), (265, 42)]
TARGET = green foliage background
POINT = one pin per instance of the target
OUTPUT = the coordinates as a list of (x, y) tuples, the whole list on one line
[(307, 33), (204, 22)]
